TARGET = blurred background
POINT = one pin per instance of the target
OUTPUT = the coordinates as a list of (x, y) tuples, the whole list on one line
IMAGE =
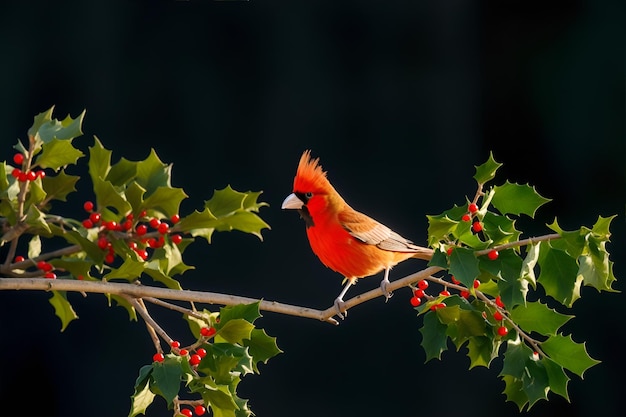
[(399, 99)]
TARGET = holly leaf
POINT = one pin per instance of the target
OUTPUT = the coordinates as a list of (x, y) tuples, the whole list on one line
[(481, 350), (538, 317), (62, 308), (434, 338), (514, 391), (167, 376), (568, 354), (99, 160), (152, 173), (517, 199), (249, 312), (129, 270), (58, 153), (572, 242), (121, 172), (164, 199), (49, 129), (464, 266), (108, 196), (487, 171), (557, 377), (535, 382), (59, 186), (143, 396), (261, 346), (559, 274), (234, 331)]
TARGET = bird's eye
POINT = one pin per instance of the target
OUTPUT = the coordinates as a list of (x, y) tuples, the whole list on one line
[(308, 195)]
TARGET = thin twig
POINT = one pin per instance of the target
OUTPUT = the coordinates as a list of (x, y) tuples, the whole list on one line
[(143, 312), (185, 311), (151, 330)]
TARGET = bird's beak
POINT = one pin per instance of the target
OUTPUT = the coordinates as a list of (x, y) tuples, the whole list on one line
[(292, 202)]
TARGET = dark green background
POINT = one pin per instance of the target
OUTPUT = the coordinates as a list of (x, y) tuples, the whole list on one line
[(400, 99)]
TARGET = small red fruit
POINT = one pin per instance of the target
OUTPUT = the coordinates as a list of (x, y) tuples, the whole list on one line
[(103, 243), (31, 175), (175, 218), (498, 316), (41, 174), (132, 244), (109, 258), (50, 275), (158, 357), (465, 294), (437, 306), (476, 283), (423, 284), (141, 229), (16, 173), (419, 293), (88, 206), (415, 301), (112, 225), (445, 293), (186, 412), (207, 331), (466, 218), (18, 259), (175, 344), (87, 224), (201, 352), (454, 280), (502, 331), (493, 255), (473, 208), (199, 410), (499, 302), (176, 239), (18, 158), (154, 222), (127, 225), (44, 266), (94, 217), (163, 228), (477, 227), (449, 251), (143, 254), (22, 177), (194, 359), (183, 352)]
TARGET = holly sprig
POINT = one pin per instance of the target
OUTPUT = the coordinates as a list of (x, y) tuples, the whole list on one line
[(132, 232), (495, 272)]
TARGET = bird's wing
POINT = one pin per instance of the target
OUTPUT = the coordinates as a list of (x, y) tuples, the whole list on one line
[(368, 230)]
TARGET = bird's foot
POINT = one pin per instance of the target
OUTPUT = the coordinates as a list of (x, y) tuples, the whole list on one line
[(340, 306), (384, 284)]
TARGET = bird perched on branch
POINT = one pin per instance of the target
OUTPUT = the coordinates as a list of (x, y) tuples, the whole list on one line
[(345, 240)]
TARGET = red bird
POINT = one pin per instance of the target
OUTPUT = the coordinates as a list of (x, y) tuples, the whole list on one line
[(345, 240)]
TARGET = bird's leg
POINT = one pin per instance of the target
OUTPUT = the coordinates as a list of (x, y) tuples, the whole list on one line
[(384, 284), (339, 304)]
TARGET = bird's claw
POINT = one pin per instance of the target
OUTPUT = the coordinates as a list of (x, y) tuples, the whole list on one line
[(340, 306), (384, 284)]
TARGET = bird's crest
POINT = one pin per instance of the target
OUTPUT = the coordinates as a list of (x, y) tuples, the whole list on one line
[(310, 177)]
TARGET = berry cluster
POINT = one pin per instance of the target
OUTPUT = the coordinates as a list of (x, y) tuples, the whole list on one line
[(198, 410), (135, 231), (24, 176), (45, 268)]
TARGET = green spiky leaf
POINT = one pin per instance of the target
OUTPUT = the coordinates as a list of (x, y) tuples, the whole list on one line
[(487, 171), (538, 317), (58, 153), (517, 199), (59, 186), (559, 274), (568, 354), (62, 308)]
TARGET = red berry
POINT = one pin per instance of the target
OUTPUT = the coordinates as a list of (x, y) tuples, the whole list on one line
[(493, 255), (199, 410), (419, 293), (207, 331), (130, 216), (141, 229), (103, 243), (423, 284), (80, 277), (183, 352), (437, 306), (154, 222), (18, 158), (449, 251), (127, 225), (502, 331), (498, 316), (112, 225), (16, 173), (41, 174), (473, 208), (466, 218), (44, 266), (18, 259), (87, 224), (94, 217), (142, 214), (186, 412), (175, 218), (22, 177), (465, 294), (476, 283), (132, 244), (415, 301), (50, 275), (158, 357), (445, 293), (175, 344), (201, 352), (176, 239), (454, 280), (163, 228), (88, 206), (499, 302), (31, 176), (477, 227), (143, 254), (109, 259), (194, 359)]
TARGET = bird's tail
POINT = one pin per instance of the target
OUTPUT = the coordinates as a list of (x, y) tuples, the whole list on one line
[(423, 253)]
